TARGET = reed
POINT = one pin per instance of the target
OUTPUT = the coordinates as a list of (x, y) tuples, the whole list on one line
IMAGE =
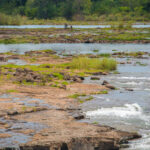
[(89, 63)]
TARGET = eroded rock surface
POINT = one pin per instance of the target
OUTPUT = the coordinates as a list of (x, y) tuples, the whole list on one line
[(60, 130)]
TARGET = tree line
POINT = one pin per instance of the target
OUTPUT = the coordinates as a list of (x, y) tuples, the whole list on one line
[(73, 9)]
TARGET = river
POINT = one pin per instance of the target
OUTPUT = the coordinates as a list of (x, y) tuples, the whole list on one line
[(123, 109), (62, 26)]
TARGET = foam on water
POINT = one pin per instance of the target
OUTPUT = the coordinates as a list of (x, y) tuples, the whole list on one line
[(135, 78), (134, 83), (128, 110), (138, 144)]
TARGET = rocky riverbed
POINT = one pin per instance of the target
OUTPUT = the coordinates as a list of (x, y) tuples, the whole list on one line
[(41, 111), (87, 35)]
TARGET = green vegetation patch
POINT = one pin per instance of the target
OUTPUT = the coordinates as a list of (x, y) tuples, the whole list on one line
[(75, 96), (11, 91), (88, 63)]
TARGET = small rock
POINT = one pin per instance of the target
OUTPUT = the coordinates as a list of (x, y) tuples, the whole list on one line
[(100, 73), (110, 86), (12, 112), (105, 82), (129, 62), (2, 58), (95, 78), (122, 63), (63, 87), (20, 103), (128, 89), (44, 134), (78, 116), (124, 146)]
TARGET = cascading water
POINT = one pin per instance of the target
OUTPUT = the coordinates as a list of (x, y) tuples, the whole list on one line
[(124, 109)]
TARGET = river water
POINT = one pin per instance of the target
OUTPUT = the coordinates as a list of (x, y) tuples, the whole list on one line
[(122, 109), (71, 48), (62, 26)]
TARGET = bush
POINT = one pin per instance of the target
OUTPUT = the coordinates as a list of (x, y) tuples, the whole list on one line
[(10, 20), (89, 63)]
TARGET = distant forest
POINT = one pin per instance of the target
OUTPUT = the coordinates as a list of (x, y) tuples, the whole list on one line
[(74, 9)]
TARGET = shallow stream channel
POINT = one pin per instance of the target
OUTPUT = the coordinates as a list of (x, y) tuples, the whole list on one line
[(128, 107), (14, 132)]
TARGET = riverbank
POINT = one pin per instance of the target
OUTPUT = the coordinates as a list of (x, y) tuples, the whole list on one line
[(47, 97), (53, 35)]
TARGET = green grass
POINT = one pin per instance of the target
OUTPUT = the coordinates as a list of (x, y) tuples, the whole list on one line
[(115, 72), (141, 64), (11, 91), (33, 59), (65, 83), (104, 55), (97, 64), (58, 75), (95, 51), (95, 123), (89, 98), (47, 51), (132, 54), (100, 92), (75, 96)]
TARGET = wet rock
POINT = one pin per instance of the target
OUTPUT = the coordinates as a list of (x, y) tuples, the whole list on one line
[(88, 41), (124, 146), (92, 56), (128, 89), (78, 115), (63, 87), (20, 103), (131, 136), (44, 134), (29, 76), (75, 78), (2, 58), (105, 82), (12, 112), (129, 62), (110, 86), (122, 63), (95, 78), (42, 53), (100, 73), (47, 66)]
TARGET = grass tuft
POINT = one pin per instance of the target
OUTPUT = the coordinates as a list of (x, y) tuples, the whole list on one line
[(98, 64)]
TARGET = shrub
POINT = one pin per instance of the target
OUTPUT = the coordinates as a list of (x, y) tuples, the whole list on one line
[(10, 20)]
